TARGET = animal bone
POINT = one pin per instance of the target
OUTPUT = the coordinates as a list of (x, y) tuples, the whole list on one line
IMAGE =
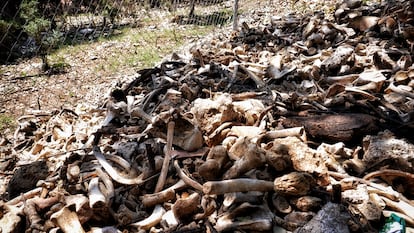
[(162, 196), (249, 156), (294, 183), (400, 206), (298, 132), (260, 219), (113, 172), (167, 157), (31, 209), (240, 197), (96, 197), (237, 185), (253, 158), (216, 159), (183, 208), (152, 220), (187, 179), (67, 220)]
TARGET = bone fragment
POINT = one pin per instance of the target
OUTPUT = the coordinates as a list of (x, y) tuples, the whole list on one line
[(108, 229), (257, 225), (389, 172), (109, 192), (113, 172), (294, 183), (259, 218), (162, 196), (281, 204), (34, 218), (298, 132), (253, 157), (28, 195), (67, 220), (216, 159), (167, 157), (170, 219), (138, 112), (152, 220), (259, 82), (240, 197), (187, 179), (277, 156), (96, 197), (236, 185), (9, 222), (375, 188), (121, 162), (400, 206), (399, 90), (307, 203), (184, 208)]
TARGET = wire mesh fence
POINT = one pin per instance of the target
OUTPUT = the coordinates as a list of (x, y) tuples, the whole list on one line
[(36, 27)]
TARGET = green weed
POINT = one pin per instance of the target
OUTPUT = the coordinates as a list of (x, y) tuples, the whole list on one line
[(6, 122)]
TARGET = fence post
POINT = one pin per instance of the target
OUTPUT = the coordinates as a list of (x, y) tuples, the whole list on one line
[(235, 14)]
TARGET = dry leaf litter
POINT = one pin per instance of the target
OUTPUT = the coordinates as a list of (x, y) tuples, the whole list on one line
[(301, 125)]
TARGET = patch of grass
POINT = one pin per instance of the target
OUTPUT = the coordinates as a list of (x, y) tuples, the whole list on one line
[(129, 47), (149, 46), (6, 122)]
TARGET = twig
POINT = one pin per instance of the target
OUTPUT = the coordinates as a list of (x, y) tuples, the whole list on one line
[(167, 157)]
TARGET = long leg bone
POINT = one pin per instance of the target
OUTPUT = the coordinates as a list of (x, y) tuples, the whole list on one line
[(162, 196), (236, 185), (167, 158)]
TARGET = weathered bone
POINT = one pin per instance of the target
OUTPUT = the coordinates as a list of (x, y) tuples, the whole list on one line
[(400, 206), (113, 172), (260, 219), (162, 196), (237, 185), (152, 220), (186, 207), (187, 179), (167, 157), (67, 220), (96, 197)]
